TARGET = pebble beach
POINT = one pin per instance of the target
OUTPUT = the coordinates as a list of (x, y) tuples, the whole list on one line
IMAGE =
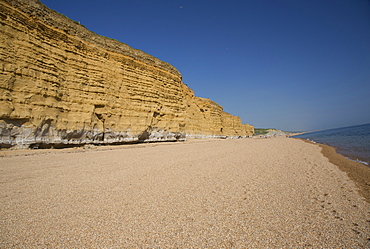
[(234, 193)]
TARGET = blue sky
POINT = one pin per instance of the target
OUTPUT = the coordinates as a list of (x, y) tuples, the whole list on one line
[(289, 64)]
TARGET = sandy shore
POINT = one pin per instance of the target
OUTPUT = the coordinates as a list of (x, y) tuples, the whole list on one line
[(245, 193)]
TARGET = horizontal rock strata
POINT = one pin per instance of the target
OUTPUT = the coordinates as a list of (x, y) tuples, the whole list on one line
[(61, 84)]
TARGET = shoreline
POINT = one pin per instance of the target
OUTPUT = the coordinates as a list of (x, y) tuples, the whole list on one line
[(347, 155), (356, 171)]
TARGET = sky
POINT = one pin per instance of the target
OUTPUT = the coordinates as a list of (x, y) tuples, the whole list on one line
[(294, 65)]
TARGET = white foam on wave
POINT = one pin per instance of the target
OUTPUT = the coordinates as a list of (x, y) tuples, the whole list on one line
[(310, 140), (366, 163), (359, 161)]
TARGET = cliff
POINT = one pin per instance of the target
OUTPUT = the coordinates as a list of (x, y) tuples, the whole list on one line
[(61, 85)]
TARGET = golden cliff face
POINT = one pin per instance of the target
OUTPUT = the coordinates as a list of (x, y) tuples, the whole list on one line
[(61, 84)]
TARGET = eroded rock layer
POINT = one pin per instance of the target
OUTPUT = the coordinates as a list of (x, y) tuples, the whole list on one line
[(61, 84)]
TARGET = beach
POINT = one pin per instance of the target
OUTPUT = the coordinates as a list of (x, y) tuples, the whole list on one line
[(228, 193)]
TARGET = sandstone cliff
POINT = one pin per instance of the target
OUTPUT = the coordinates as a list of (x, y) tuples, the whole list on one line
[(61, 85)]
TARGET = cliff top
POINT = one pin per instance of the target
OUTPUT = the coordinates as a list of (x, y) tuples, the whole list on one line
[(38, 10)]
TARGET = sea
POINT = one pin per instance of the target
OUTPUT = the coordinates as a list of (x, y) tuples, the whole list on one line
[(352, 142)]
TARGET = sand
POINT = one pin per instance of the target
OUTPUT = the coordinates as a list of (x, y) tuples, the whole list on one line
[(244, 193)]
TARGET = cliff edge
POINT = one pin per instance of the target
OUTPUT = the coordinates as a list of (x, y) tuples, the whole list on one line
[(63, 85)]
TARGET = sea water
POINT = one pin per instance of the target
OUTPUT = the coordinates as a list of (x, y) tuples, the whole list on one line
[(352, 142)]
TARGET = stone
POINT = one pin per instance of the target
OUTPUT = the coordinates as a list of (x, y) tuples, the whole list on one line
[(63, 85)]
